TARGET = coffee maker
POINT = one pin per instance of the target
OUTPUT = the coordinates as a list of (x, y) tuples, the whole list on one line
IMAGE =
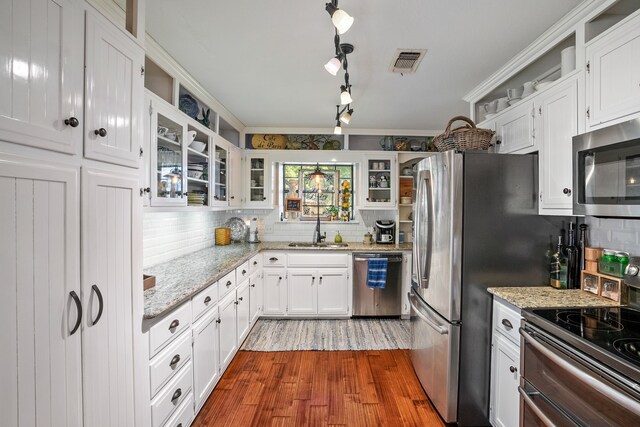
[(385, 232)]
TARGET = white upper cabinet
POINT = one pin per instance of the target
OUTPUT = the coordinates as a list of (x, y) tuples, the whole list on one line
[(379, 182), (515, 131), (556, 124), (114, 99), (235, 177), (613, 75), (41, 73)]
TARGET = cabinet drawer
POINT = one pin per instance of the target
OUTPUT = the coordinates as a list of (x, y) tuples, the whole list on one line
[(274, 259), (318, 259), (168, 328), (242, 272), (183, 415), (226, 284), (171, 396), (506, 320), (255, 263), (169, 361), (204, 300)]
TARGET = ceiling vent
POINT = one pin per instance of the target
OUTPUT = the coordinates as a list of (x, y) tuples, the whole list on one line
[(406, 61)]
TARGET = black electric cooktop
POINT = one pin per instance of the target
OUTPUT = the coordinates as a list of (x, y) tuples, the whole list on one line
[(613, 330)]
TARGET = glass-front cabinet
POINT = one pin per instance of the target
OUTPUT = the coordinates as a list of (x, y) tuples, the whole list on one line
[(257, 181), (198, 166), (168, 157), (220, 170), (379, 182)]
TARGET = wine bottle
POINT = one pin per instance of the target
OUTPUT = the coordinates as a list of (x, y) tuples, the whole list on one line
[(558, 267), (582, 243), (573, 262)]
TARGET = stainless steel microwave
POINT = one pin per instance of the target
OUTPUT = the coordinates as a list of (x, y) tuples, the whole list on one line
[(606, 171)]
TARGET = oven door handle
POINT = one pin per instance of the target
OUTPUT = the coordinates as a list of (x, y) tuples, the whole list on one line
[(535, 408), (590, 380)]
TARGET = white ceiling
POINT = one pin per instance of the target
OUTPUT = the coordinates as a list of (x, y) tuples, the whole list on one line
[(263, 60)]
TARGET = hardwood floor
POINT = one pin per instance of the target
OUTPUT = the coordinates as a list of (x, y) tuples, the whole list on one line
[(319, 388)]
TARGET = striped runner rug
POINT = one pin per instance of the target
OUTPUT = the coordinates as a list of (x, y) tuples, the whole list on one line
[(347, 334)]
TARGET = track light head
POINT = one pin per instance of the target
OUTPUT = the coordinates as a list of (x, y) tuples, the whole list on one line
[(341, 19), (334, 64), (345, 96), (338, 129), (346, 116)]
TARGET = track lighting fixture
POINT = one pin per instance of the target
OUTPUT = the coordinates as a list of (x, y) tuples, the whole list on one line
[(341, 19)]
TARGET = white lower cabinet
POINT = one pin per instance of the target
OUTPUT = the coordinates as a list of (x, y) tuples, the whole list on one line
[(206, 353), (228, 329), (243, 311), (164, 405), (275, 291), (332, 292), (505, 366), (302, 291), (255, 296)]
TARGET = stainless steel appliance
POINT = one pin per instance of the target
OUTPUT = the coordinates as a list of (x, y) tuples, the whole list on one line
[(607, 171), (379, 301), (476, 225), (581, 366), (385, 231)]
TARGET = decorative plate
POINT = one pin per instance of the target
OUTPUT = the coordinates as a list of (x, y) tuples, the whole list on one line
[(189, 105), (238, 229)]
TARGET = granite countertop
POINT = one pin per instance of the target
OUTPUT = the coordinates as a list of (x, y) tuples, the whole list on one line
[(179, 279), (546, 296)]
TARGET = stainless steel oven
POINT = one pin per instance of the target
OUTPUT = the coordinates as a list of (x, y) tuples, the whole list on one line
[(606, 170), (563, 386)]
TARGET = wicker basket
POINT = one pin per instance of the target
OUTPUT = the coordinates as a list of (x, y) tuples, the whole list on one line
[(467, 137)]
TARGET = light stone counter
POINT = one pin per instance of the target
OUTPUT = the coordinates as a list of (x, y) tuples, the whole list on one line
[(546, 296), (179, 279)]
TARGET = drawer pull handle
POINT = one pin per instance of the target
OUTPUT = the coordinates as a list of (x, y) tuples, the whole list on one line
[(95, 289), (174, 360), (244, 272), (507, 324), (228, 283), (273, 258), (513, 369), (174, 324), (176, 395), (207, 300)]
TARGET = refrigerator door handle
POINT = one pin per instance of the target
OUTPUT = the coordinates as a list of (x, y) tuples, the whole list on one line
[(442, 330), (423, 209)]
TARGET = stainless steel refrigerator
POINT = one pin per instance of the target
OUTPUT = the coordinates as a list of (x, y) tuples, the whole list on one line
[(476, 225)]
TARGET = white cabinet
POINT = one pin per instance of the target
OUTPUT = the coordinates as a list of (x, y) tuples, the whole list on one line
[(112, 296), (255, 296), (235, 176), (556, 124), (228, 329), (379, 182), (206, 355), (39, 296), (504, 406), (41, 77), (515, 129), (219, 172), (332, 292), (113, 87), (274, 292), (407, 259), (243, 311), (257, 181), (302, 291), (613, 75)]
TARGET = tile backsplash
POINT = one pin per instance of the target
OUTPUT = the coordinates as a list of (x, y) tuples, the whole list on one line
[(615, 233)]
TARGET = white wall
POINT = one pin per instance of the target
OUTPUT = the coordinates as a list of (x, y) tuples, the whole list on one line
[(614, 233)]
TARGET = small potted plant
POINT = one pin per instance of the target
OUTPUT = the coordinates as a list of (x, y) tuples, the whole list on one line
[(332, 213)]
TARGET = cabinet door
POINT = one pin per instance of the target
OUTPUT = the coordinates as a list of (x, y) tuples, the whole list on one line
[(255, 296), (333, 292), (613, 77), (235, 177), (114, 94), (41, 73), (515, 131), (228, 329), (505, 400), (244, 313), (39, 252), (257, 182), (556, 124), (302, 294), (206, 367), (379, 183), (220, 172), (274, 292), (112, 298)]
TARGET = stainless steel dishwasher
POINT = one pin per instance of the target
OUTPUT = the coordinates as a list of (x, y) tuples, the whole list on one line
[(379, 301)]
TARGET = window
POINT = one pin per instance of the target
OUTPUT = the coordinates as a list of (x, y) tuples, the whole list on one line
[(333, 201)]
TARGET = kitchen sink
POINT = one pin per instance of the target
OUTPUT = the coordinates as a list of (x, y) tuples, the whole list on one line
[(317, 245)]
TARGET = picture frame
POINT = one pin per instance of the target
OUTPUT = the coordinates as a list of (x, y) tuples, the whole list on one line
[(293, 204)]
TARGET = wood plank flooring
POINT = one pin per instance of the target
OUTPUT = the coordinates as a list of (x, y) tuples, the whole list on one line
[(319, 388)]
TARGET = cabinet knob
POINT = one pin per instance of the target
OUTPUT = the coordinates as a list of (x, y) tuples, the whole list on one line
[(240, 298), (498, 142), (207, 300), (228, 283), (71, 121), (145, 190), (232, 197), (513, 369), (280, 278), (255, 262), (236, 302), (218, 320), (253, 286), (507, 324), (264, 198), (244, 272), (567, 191), (102, 132)]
